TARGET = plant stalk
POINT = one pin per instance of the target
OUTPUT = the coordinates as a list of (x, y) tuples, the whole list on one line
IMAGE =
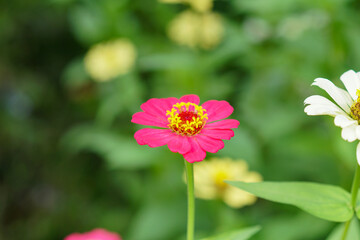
[(191, 200), (354, 193)]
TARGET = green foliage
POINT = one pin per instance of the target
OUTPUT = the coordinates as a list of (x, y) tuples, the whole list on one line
[(68, 158), (323, 201), (291, 226), (242, 234), (119, 152), (160, 216), (353, 233)]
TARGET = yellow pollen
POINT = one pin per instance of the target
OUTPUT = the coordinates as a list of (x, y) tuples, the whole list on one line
[(186, 119), (355, 108)]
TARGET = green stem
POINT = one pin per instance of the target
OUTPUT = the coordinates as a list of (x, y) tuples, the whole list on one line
[(191, 201), (354, 193), (346, 228), (355, 187)]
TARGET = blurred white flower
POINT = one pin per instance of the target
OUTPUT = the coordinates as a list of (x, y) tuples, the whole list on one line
[(317, 18), (204, 30), (345, 110), (293, 27), (109, 59), (257, 29), (209, 179)]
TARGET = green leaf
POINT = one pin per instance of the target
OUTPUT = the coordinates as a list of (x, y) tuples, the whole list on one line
[(88, 23), (242, 234), (75, 75), (324, 201), (165, 61), (113, 104), (357, 208), (145, 224), (289, 227), (353, 232), (120, 152), (243, 145)]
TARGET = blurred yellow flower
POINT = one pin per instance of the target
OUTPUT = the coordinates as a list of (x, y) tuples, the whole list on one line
[(204, 30), (171, 1), (201, 5), (198, 5), (109, 59), (209, 179)]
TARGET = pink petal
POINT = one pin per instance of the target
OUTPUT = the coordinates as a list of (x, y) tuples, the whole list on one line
[(98, 234), (144, 118), (102, 234), (218, 133), (158, 106), (190, 98), (74, 236), (196, 154), (154, 137), (209, 144), (217, 110), (223, 124), (179, 144)]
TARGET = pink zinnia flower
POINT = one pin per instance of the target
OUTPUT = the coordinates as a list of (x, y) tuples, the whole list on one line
[(187, 128), (96, 234)]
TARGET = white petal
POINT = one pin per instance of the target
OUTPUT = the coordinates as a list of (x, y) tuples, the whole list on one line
[(352, 82), (343, 121), (319, 105), (313, 110), (349, 133), (318, 100), (340, 96), (357, 132), (358, 153)]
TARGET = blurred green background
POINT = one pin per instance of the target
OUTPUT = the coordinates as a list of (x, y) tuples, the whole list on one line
[(68, 159)]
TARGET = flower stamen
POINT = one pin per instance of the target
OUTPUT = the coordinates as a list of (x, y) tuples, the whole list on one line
[(355, 108), (186, 119)]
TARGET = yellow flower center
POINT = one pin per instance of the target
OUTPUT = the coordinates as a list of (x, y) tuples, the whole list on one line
[(186, 119), (355, 108), (219, 178)]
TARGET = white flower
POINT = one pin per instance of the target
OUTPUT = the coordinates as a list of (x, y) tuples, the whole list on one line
[(345, 110), (257, 29)]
